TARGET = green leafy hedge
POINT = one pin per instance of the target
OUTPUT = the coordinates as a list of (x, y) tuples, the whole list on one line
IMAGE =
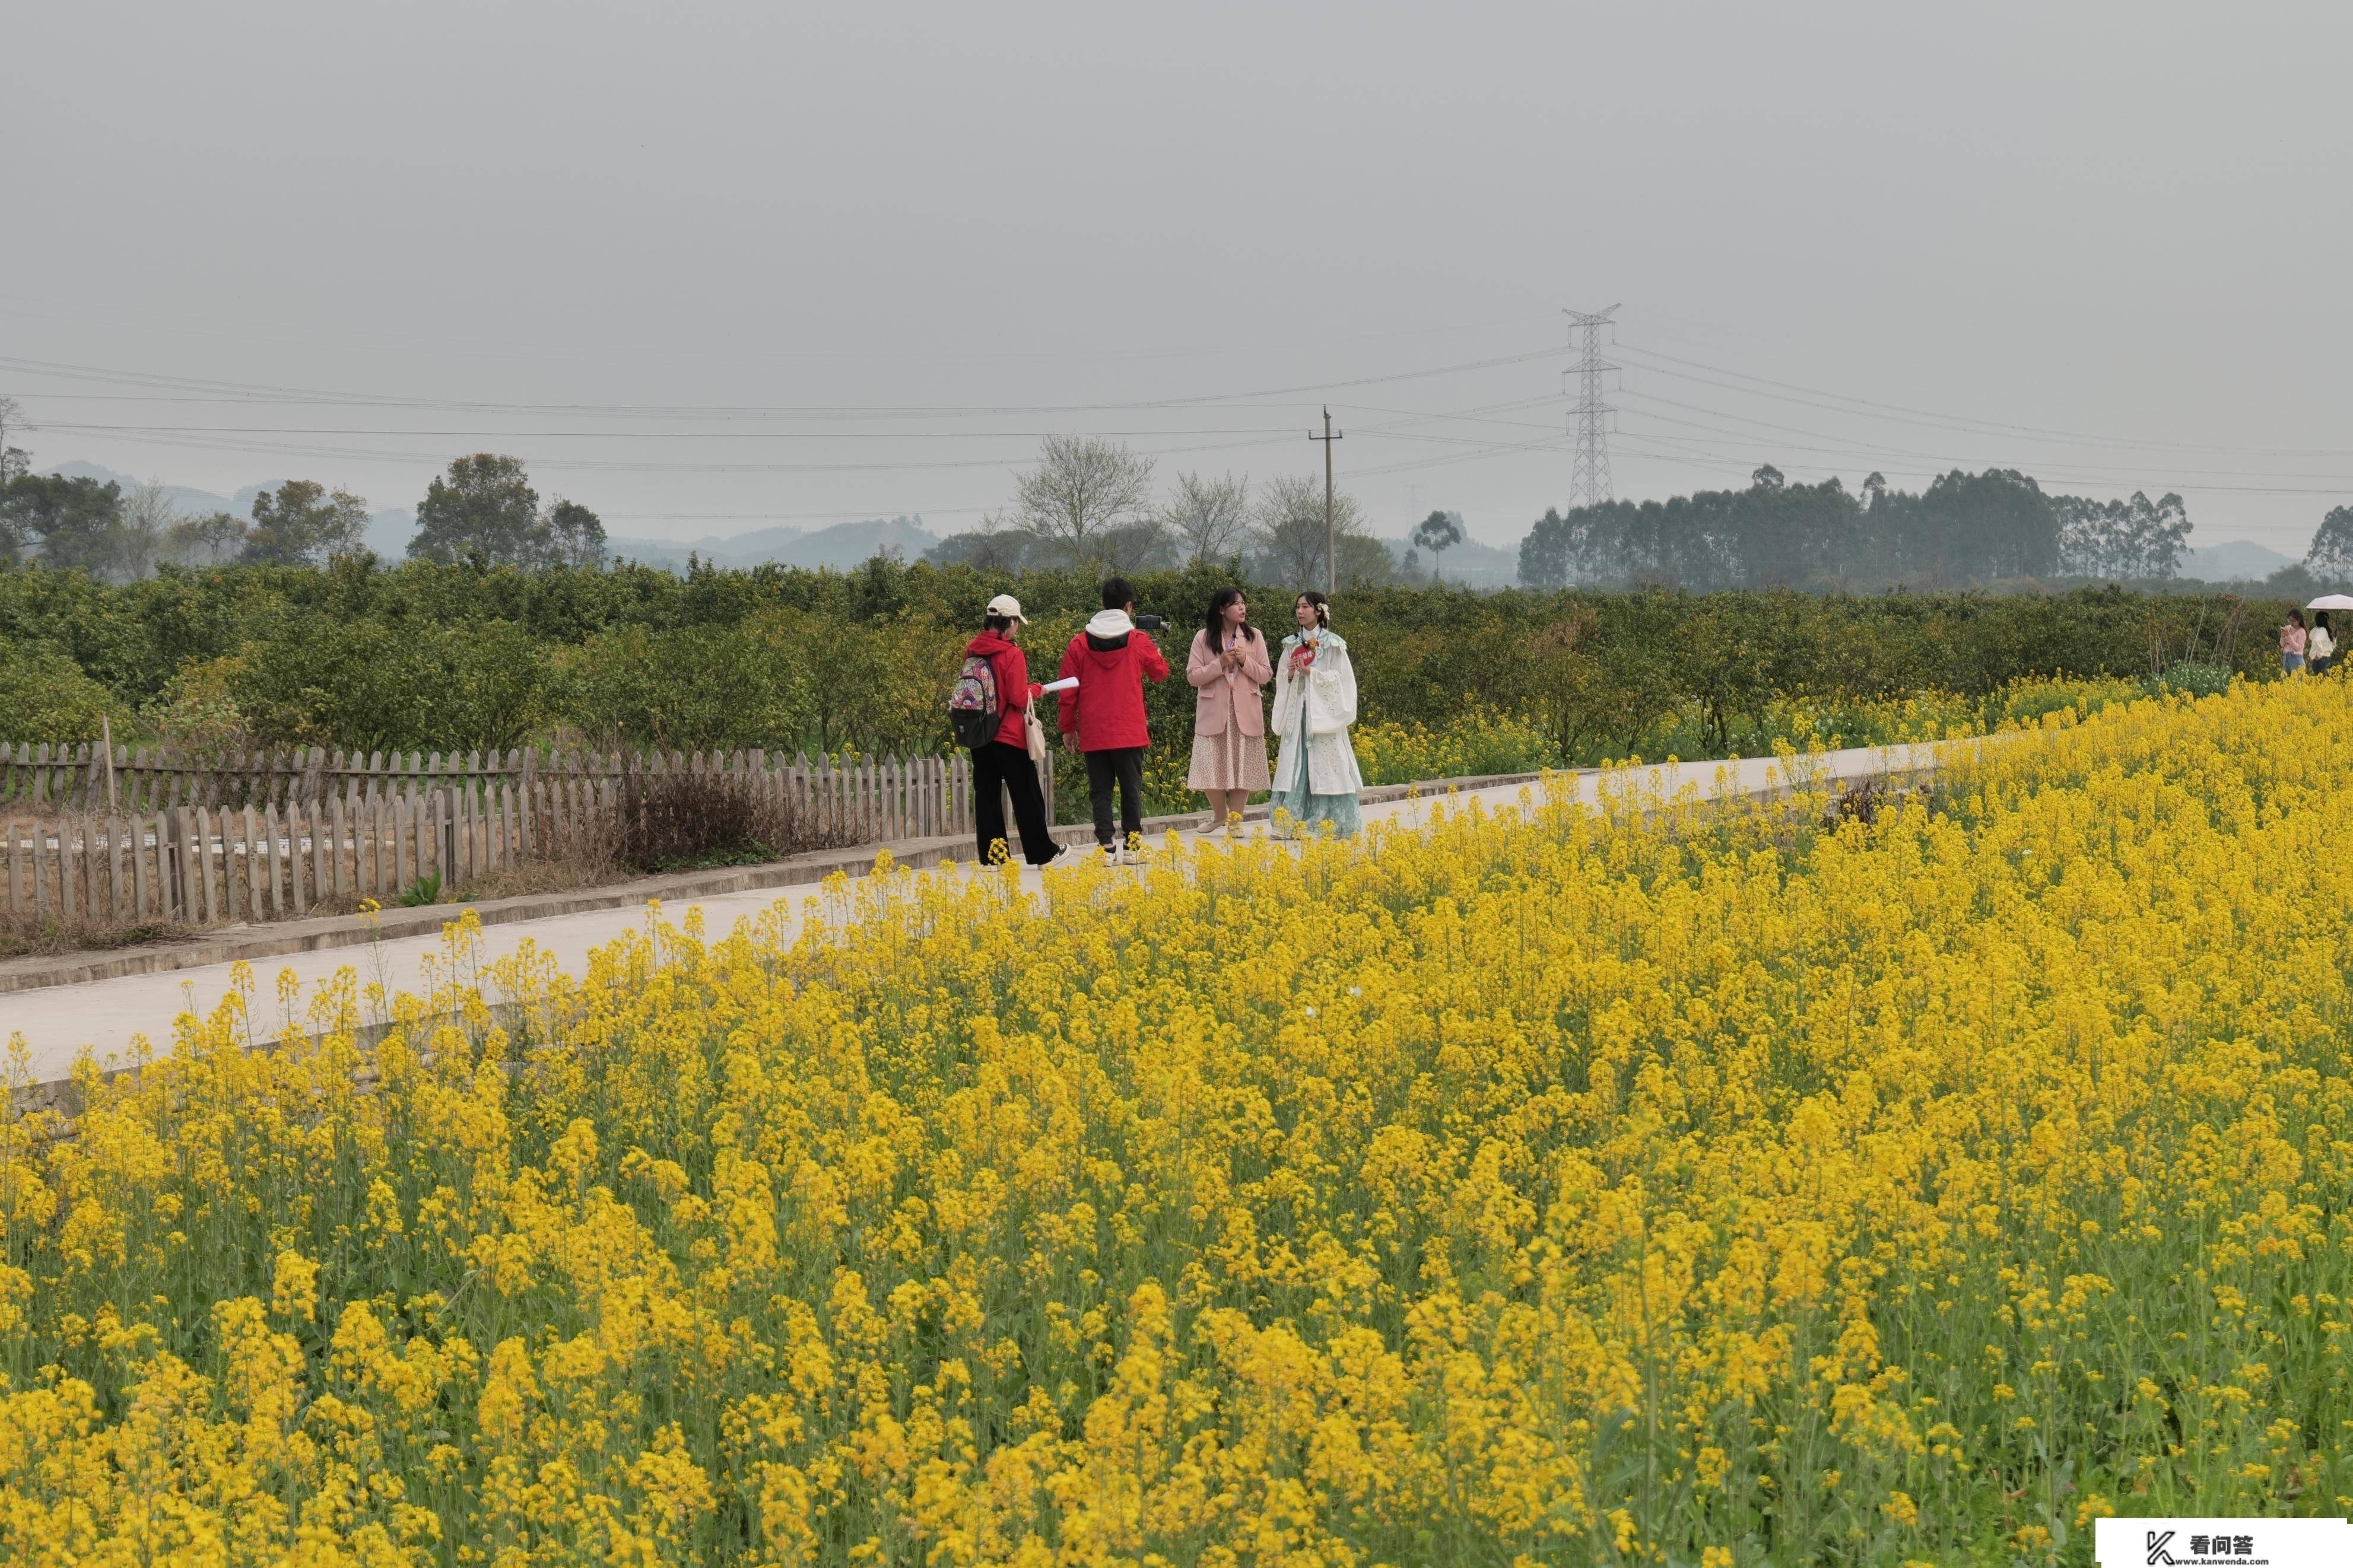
[(420, 656)]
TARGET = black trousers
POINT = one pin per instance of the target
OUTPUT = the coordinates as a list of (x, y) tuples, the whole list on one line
[(1122, 765), (998, 764)]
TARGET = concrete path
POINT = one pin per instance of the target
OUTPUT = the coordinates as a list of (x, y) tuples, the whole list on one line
[(104, 1016)]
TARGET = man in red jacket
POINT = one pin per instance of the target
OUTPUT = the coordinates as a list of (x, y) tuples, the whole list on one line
[(1103, 715)]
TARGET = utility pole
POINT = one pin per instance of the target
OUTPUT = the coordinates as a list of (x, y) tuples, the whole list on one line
[(1331, 539), (1589, 481)]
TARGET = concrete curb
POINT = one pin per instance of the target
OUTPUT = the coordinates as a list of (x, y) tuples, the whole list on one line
[(252, 943)]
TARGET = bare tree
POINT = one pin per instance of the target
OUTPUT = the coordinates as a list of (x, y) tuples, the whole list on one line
[(210, 541), (1288, 532), (1084, 497), (1211, 518), (144, 531)]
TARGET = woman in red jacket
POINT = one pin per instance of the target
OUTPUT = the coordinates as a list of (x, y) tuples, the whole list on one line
[(1004, 760)]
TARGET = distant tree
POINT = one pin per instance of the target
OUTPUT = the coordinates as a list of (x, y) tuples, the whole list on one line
[(2121, 539), (1084, 497), (1364, 561), (2331, 555), (1209, 518), (14, 463), (207, 541), (73, 522), (995, 546), (303, 524), (1974, 528), (144, 532), (1438, 533), (572, 535), (1545, 554), (2294, 581), (1288, 536), (486, 506)]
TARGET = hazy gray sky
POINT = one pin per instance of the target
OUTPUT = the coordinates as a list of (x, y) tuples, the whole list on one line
[(706, 266)]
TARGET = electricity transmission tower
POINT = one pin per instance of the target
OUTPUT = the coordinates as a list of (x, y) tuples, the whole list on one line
[(1588, 482)]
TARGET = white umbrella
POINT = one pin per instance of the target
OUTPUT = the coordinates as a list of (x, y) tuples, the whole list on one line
[(2332, 602)]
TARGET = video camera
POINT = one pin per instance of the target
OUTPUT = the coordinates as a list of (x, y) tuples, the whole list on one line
[(1151, 622)]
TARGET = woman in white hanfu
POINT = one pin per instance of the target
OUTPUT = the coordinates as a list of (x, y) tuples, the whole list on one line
[(1315, 777)]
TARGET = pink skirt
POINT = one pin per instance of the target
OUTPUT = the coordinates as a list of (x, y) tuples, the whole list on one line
[(1229, 760)]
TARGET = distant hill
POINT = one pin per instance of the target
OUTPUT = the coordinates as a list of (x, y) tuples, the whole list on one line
[(185, 501), (1469, 565), (389, 531), (2241, 560), (841, 546)]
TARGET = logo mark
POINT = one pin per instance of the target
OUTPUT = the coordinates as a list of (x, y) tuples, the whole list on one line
[(2157, 1555)]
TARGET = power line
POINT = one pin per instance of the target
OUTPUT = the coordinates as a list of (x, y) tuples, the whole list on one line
[(262, 391), (250, 331), (1899, 414), (641, 435), (350, 454)]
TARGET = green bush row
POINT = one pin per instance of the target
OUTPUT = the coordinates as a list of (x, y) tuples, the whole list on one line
[(420, 656)]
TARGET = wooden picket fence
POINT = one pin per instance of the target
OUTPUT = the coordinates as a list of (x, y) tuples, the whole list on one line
[(276, 836)]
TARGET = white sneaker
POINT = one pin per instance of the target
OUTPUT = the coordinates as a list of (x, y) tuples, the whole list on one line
[(1110, 853)]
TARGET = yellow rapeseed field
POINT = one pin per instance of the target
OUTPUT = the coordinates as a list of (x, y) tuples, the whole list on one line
[(1668, 1187)]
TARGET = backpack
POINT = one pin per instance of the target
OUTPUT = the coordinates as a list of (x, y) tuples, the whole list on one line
[(972, 705)]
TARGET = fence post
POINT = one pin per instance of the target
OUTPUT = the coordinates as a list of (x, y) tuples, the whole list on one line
[(167, 866), (523, 796), (40, 873), (400, 877), (69, 870), (114, 868), (200, 871)]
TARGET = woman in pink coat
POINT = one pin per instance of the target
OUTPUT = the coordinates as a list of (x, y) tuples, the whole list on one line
[(1228, 667)]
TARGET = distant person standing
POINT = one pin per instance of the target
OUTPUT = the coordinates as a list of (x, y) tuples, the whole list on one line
[(998, 707), (1228, 667), (1317, 779), (2319, 646), (2291, 643), (1103, 715)]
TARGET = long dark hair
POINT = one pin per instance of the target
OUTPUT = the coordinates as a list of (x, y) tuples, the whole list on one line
[(1323, 608), (1217, 623)]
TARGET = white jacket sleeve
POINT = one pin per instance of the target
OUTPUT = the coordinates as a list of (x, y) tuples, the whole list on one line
[(1334, 683)]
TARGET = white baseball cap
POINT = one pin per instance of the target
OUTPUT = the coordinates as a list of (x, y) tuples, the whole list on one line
[(1008, 606)]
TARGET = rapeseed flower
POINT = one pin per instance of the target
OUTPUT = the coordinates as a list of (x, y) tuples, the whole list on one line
[(1634, 1184)]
